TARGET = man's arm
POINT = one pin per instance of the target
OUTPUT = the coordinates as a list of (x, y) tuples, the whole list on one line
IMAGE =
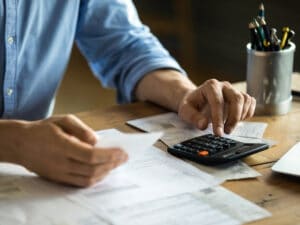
[(119, 48), (213, 101), (164, 87)]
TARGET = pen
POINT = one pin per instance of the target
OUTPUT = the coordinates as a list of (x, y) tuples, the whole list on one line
[(285, 32), (260, 32), (275, 42), (290, 36), (267, 39), (261, 12), (254, 38)]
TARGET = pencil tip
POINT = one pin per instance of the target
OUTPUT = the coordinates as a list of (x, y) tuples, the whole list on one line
[(261, 6)]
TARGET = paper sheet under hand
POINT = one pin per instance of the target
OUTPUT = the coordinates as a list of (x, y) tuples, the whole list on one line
[(132, 143), (143, 178), (151, 175), (176, 130)]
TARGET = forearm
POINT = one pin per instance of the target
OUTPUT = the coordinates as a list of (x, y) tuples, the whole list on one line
[(164, 87), (9, 136)]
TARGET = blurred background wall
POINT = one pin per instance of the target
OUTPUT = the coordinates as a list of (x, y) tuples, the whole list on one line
[(208, 38)]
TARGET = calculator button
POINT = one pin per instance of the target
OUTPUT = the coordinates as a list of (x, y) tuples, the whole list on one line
[(191, 150), (203, 153)]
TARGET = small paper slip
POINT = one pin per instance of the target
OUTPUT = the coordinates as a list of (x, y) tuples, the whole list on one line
[(171, 122), (132, 143), (290, 162)]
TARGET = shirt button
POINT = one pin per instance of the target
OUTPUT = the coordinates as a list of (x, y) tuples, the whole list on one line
[(9, 92), (10, 40)]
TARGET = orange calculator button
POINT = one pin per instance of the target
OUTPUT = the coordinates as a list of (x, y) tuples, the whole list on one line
[(203, 153)]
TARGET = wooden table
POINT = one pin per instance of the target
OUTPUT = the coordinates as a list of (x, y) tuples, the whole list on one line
[(279, 194)]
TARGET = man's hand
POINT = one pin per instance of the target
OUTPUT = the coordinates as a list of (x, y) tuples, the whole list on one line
[(62, 149), (213, 101), (216, 102)]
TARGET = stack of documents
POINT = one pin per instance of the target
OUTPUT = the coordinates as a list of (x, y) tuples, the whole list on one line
[(152, 188)]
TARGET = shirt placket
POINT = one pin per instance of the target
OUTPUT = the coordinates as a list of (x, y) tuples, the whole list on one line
[(9, 85)]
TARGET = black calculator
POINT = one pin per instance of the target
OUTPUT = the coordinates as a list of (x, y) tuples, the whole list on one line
[(211, 149)]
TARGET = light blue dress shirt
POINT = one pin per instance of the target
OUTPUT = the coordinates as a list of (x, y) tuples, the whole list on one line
[(36, 41)]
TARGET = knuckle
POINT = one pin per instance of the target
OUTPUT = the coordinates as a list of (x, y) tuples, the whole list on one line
[(69, 118), (52, 128), (227, 84), (212, 82), (217, 101), (238, 98), (247, 98)]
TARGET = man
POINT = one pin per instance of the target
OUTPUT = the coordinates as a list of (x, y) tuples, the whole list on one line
[(37, 37)]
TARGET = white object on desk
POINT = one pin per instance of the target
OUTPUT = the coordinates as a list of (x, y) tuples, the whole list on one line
[(290, 162), (132, 143)]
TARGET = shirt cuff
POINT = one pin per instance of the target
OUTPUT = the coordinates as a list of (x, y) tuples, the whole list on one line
[(140, 70)]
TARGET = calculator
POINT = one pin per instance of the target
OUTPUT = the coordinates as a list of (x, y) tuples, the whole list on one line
[(211, 149)]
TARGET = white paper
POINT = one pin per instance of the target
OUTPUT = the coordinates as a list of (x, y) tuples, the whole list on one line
[(290, 162), (151, 175), (182, 209), (27, 199), (132, 143), (142, 179), (232, 204), (231, 171), (152, 179), (250, 129), (213, 206), (175, 130), (171, 120)]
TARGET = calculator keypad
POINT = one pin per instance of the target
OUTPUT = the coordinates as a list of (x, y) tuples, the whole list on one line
[(206, 145), (214, 149)]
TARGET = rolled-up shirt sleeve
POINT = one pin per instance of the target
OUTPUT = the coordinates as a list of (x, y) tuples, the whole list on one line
[(118, 47)]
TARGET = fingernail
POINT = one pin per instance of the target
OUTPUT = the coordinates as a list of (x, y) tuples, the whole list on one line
[(93, 139), (95, 136), (123, 158), (219, 131)]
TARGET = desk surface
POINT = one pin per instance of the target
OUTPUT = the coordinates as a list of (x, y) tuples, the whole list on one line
[(279, 194)]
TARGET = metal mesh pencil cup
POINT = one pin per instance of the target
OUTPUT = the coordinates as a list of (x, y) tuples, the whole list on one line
[(269, 76)]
